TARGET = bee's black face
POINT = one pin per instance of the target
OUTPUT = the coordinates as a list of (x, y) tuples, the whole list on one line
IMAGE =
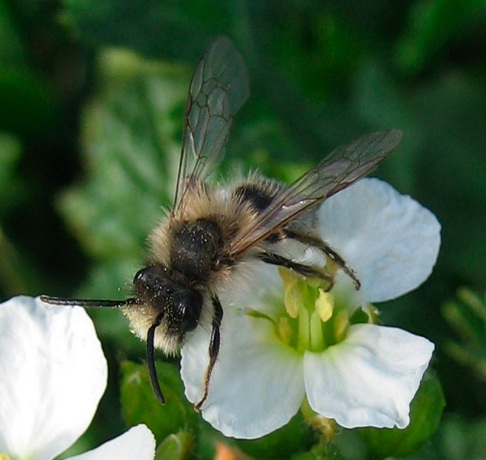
[(179, 305)]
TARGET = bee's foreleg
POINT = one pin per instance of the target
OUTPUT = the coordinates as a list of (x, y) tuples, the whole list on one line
[(326, 249), (214, 345)]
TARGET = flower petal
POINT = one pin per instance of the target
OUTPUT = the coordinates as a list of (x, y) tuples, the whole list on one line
[(388, 239), (53, 375), (138, 443), (370, 378), (257, 384)]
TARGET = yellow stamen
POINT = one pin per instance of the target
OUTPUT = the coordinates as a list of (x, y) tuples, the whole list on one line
[(325, 305), (293, 295), (284, 331), (341, 323)]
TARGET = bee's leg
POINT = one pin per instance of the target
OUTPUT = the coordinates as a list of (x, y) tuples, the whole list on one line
[(151, 359), (213, 347), (301, 269), (327, 250)]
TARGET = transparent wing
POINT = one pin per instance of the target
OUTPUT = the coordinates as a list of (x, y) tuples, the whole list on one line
[(219, 87), (340, 169)]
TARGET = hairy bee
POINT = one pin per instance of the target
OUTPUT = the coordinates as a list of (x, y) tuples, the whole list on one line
[(200, 245)]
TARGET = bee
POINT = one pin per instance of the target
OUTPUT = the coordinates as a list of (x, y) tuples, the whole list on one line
[(200, 245)]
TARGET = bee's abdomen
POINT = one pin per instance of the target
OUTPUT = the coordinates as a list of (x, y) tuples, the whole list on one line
[(258, 195), (195, 248)]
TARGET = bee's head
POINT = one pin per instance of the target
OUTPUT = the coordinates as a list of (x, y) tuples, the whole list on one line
[(176, 306), (164, 311)]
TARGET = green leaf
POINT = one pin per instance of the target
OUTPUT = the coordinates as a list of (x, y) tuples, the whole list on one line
[(139, 404), (467, 316), (425, 415), (175, 447)]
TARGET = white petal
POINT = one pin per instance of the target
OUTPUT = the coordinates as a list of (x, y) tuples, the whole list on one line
[(138, 443), (256, 285), (53, 375), (257, 383), (370, 378), (388, 239)]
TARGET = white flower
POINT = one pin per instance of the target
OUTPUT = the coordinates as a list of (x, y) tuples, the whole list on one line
[(274, 355), (53, 374)]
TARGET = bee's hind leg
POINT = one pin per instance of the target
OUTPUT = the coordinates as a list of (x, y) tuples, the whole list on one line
[(214, 345), (301, 269), (327, 250)]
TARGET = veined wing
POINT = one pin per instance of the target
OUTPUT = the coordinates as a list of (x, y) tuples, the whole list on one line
[(219, 87), (344, 166)]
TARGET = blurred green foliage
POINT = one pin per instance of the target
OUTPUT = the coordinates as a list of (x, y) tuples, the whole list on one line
[(466, 314), (92, 98)]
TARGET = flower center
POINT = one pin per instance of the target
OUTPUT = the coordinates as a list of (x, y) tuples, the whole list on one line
[(314, 317), (311, 321)]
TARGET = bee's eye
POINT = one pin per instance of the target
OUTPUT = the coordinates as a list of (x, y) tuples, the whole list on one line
[(148, 276), (139, 277)]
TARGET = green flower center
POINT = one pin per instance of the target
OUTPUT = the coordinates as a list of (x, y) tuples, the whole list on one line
[(311, 322), (313, 319)]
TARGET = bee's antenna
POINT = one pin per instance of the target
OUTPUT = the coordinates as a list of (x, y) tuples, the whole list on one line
[(87, 303), (151, 360)]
